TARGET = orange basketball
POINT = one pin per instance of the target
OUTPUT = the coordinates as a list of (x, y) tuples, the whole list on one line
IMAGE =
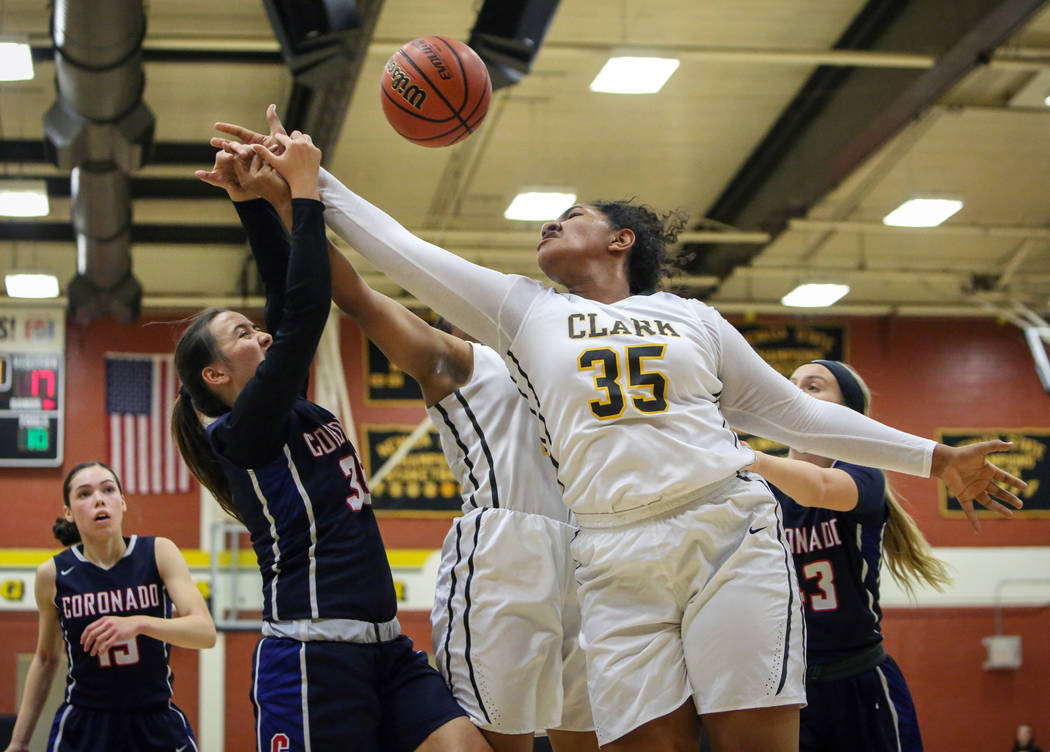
[(435, 91)]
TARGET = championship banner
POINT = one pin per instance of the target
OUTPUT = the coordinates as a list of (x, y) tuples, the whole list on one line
[(387, 384), (1029, 460), (421, 485), (787, 346)]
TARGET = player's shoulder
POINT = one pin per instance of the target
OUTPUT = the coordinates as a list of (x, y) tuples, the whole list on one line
[(861, 473), (49, 569)]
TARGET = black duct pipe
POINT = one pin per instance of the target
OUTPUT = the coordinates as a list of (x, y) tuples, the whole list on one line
[(101, 130)]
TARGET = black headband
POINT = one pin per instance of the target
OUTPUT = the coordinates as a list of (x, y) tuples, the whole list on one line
[(852, 394)]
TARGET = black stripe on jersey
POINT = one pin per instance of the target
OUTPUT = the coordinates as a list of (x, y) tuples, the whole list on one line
[(790, 564), (451, 593), (539, 415), (466, 616), (789, 561), (736, 439), (466, 456), (484, 446)]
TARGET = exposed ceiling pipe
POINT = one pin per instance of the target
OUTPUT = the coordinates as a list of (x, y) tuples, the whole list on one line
[(101, 130)]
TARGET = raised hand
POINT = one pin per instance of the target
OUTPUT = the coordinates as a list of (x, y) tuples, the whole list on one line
[(223, 175), (970, 477), (257, 176), (298, 163), (248, 136)]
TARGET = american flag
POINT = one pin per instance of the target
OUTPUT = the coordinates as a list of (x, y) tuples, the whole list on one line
[(140, 390)]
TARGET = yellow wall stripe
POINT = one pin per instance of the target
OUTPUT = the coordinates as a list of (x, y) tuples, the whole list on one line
[(23, 558)]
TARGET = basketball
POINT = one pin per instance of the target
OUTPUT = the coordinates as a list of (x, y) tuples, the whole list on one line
[(435, 91)]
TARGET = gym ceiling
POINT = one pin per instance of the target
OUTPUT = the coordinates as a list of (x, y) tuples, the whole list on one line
[(789, 130)]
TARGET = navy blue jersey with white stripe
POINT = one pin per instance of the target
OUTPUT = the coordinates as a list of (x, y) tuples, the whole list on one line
[(837, 558), (130, 675), (310, 517)]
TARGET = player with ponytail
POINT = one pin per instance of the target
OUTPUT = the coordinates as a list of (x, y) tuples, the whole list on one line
[(332, 669), (841, 520), (106, 604)]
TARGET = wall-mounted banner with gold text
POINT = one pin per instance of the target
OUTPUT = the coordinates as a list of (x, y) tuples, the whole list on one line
[(387, 383), (787, 346), (1029, 460), (420, 484)]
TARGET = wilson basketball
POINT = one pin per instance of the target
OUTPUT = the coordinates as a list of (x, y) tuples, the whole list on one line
[(435, 91)]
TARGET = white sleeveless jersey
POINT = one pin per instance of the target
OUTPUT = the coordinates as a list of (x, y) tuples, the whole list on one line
[(628, 399), (491, 443)]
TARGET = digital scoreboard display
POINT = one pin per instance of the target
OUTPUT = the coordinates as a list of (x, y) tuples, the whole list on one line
[(32, 387)]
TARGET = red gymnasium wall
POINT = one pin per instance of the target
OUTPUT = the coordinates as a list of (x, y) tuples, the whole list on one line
[(924, 374)]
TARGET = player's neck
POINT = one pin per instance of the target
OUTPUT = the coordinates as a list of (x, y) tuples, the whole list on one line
[(105, 552)]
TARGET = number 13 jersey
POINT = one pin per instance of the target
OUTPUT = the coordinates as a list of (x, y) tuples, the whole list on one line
[(132, 674)]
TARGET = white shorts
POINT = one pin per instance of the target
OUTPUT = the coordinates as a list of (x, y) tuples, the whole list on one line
[(506, 621), (699, 602)]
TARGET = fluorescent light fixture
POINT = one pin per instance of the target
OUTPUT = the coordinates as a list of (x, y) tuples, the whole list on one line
[(922, 212), (634, 75), (1046, 100), (16, 62), (539, 206), (23, 198), (814, 295), (31, 284)]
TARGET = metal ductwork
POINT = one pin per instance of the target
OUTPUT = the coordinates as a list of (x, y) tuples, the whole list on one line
[(101, 130)]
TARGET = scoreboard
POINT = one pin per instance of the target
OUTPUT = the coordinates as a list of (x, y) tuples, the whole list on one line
[(32, 386)]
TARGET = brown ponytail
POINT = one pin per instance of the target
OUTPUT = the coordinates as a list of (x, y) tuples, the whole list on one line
[(195, 350), (909, 556)]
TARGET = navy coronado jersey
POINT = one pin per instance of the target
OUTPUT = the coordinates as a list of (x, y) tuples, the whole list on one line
[(310, 517), (837, 558), (130, 675)]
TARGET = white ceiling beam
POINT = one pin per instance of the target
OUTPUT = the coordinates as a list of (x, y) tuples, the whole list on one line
[(877, 228), (857, 309), (898, 275), (1009, 59)]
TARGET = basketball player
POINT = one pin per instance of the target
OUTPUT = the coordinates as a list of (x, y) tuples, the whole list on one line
[(838, 518), (106, 603), (332, 670), (634, 394), (508, 582)]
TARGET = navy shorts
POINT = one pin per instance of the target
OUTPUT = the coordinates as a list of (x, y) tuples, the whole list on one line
[(163, 729), (346, 696), (869, 712)]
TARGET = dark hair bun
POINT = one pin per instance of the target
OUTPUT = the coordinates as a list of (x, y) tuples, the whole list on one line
[(65, 531)]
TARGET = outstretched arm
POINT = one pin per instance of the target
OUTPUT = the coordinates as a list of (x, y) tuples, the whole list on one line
[(759, 400), (254, 432), (488, 304), (45, 661), (484, 302), (440, 362), (808, 484)]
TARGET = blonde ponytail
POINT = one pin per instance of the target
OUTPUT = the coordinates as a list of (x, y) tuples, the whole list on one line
[(909, 556)]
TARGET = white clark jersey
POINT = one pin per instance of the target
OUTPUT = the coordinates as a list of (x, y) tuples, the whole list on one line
[(491, 444), (633, 397)]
